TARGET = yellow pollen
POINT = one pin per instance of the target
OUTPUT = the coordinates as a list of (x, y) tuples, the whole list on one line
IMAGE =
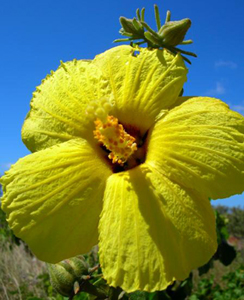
[(113, 136)]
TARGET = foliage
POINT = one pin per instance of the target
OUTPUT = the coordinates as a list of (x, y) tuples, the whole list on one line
[(233, 289), (234, 218), (5, 232), (23, 277)]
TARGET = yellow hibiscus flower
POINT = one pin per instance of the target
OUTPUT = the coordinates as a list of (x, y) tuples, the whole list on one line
[(120, 160)]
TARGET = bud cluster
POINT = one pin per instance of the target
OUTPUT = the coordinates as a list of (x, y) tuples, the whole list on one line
[(169, 35)]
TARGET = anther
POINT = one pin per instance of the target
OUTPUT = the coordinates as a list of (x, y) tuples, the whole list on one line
[(113, 136)]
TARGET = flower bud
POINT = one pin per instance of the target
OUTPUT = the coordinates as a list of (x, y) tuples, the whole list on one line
[(64, 274), (127, 25), (131, 27), (173, 32), (79, 266)]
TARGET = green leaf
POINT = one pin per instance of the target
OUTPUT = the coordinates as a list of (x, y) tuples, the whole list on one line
[(81, 296)]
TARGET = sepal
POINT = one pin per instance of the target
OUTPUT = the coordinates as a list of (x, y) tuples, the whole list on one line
[(66, 273)]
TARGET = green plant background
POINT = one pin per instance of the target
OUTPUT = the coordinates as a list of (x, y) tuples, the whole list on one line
[(24, 277)]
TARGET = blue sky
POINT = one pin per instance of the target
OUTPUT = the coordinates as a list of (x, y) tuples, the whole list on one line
[(36, 35)]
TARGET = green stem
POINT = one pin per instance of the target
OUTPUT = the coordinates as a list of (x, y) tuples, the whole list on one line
[(151, 38), (123, 40), (168, 16), (138, 14), (185, 52), (137, 25), (175, 52), (186, 42), (150, 29), (186, 59), (157, 17), (143, 14)]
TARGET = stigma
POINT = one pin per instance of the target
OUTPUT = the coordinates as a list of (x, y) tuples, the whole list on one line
[(114, 137)]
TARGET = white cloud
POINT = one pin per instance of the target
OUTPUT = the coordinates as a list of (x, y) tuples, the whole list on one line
[(218, 90), (226, 64)]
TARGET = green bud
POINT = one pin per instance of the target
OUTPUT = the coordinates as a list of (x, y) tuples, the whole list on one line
[(131, 27), (79, 266), (64, 274), (138, 26), (127, 25), (61, 280), (173, 32), (149, 36)]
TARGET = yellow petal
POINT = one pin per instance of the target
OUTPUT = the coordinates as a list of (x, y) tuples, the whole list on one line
[(53, 199), (142, 85), (200, 144), (58, 106), (152, 231)]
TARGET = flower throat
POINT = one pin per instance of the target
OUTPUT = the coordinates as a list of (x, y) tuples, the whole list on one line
[(122, 144)]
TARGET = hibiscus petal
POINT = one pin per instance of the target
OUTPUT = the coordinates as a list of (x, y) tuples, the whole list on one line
[(53, 199), (200, 144), (58, 106), (142, 85), (152, 231)]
